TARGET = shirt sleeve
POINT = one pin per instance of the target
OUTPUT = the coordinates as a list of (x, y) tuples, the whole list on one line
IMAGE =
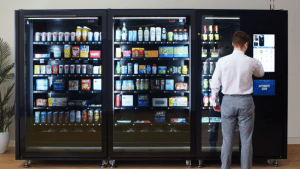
[(216, 84), (258, 69)]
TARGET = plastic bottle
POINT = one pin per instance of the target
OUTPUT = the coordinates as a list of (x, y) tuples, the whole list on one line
[(175, 35), (140, 34), (124, 32), (185, 35), (180, 35), (154, 69), (84, 33), (164, 35), (146, 34), (152, 34), (78, 34), (118, 35)]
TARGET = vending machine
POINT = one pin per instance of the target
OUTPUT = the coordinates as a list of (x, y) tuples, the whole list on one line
[(61, 87)]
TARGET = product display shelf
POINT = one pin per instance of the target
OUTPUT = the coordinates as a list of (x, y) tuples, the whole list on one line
[(155, 92), (64, 108), (67, 43), (210, 42), (82, 75), (154, 75), (152, 124), (67, 124), (68, 91), (151, 42), (64, 59), (167, 59), (147, 108)]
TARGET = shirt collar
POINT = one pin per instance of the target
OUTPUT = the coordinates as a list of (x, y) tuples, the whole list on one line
[(238, 52)]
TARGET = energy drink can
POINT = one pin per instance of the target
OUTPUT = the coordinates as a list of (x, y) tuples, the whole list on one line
[(78, 116), (130, 38), (61, 69), (37, 69), (60, 36), (96, 115), (66, 69), (60, 116), (49, 36), (54, 36), (211, 67), (83, 69), (67, 115), (49, 116), (43, 69), (205, 67), (84, 116), (130, 66), (43, 117), (55, 115), (72, 69), (44, 36), (72, 116), (49, 69), (55, 69), (148, 69), (124, 70), (136, 68), (37, 36), (118, 101), (67, 36), (134, 35), (162, 85), (73, 34), (78, 68), (90, 116), (37, 117)]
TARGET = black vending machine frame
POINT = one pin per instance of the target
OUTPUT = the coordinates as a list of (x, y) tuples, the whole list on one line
[(21, 93), (268, 142), (150, 13)]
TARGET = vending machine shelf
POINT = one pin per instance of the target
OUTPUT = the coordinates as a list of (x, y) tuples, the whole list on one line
[(66, 43)]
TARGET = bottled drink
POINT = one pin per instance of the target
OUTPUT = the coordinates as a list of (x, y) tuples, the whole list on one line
[(158, 33), (211, 35), (124, 32), (216, 28), (84, 33), (204, 35), (118, 35), (152, 34), (175, 35), (146, 34), (164, 35), (185, 35), (180, 35), (154, 69), (140, 34)]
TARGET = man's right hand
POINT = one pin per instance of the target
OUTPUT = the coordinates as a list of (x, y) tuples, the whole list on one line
[(217, 108)]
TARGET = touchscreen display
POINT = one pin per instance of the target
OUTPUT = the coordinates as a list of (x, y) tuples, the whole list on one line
[(264, 50)]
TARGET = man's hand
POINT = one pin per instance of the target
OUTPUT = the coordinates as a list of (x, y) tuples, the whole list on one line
[(217, 108)]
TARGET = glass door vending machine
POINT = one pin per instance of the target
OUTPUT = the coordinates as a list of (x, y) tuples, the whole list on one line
[(152, 96), (61, 87), (215, 30)]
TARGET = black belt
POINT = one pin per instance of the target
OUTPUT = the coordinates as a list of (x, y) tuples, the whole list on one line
[(243, 95)]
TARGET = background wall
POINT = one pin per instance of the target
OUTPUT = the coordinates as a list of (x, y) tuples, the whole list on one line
[(7, 30)]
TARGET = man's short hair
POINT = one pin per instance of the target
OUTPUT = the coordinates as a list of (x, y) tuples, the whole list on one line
[(240, 38)]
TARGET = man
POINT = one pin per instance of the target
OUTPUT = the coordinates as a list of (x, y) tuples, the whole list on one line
[(234, 72)]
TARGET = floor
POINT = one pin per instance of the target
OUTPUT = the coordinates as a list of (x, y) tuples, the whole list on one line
[(7, 161)]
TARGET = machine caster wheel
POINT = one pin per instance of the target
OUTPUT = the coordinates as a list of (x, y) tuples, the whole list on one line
[(27, 164), (112, 163), (104, 164), (188, 163), (273, 162), (200, 164)]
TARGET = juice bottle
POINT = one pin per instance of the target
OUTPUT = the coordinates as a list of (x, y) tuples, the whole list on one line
[(175, 35), (78, 33), (84, 33), (146, 34)]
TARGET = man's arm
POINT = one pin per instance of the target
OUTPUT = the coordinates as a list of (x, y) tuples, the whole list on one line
[(216, 83), (258, 69)]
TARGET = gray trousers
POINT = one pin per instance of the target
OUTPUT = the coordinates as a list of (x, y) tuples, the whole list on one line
[(237, 110)]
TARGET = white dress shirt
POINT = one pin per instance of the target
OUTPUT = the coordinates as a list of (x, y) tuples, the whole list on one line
[(234, 72)]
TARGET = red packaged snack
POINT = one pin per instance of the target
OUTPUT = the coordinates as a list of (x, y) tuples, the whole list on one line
[(75, 51), (95, 54), (85, 84)]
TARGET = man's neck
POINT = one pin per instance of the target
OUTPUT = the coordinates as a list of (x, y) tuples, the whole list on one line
[(239, 50)]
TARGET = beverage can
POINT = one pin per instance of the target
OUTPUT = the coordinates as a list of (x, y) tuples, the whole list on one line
[(124, 70), (158, 33), (49, 116), (137, 84), (49, 69), (146, 84), (66, 69), (67, 116), (130, 66), (72, 116), (162, 84), (205, 67), (43, 69), (134, 35), (118, 85), (148, 69), (78, 116), (205, 100), (78, 67), (61, 69), (37, 69), (44, 36), (49, 36), (73, 36), (60, 116), (130, 35), (96, 115), (54, 36), (136, 68), (96, 36), (90, 36), (142, 84), (67, 36), (84, 115), (90, 116), (55, 69), (43, 117), (83, 69), (118, 101), (37, 117), (72, 69), (205, 83), (61, 36), (55, 115), (100, 36), (170, 36), (37, 36), (211, 67)]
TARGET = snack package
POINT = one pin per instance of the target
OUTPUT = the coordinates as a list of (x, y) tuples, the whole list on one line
[(151, 54), (128, 85), (169, 84), (85, 84), (42, 84), (59, 84), (75, 51), (181, 86), (162, 70), (159, 116), (143, 100), (38, 55), (97, 84), (181, 51), (41, 102), (57, 102), (95, 54), (84, 51), (77, 103), (74, 85), (126, 53), (178, 101), (118, 53), (142, 69), (166, 51)]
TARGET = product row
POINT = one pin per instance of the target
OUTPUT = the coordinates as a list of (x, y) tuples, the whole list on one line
[(154, 34), (162, 52), (211, 119), (82, 51), (211, 34), (135, 68), (67, 69), (58, 84), (213, 53), (156, 85), (81, 35), (207, 99), (73, 116), (64, 102), (208, 68), (143, 101)]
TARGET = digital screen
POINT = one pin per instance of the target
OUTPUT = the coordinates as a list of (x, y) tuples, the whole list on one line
[(264, 50)]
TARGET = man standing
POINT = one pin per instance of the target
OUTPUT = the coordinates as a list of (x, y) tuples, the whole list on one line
[(234, 72)]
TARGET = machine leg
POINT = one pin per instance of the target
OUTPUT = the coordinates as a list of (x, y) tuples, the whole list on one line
[(200, 164), (189, 163), (112, 163), (276, 164), (26, 165), (104, 163)]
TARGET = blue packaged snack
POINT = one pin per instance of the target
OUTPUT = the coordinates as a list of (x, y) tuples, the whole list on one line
[(41, 84), (169, 84), (181, 51), (165, 51), (59, 84), (148, 69), (162, 70), (159, 116), (143, 100), (43, 117)]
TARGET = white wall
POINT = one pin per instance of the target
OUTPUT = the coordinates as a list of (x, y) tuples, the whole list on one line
[(7, 8)]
